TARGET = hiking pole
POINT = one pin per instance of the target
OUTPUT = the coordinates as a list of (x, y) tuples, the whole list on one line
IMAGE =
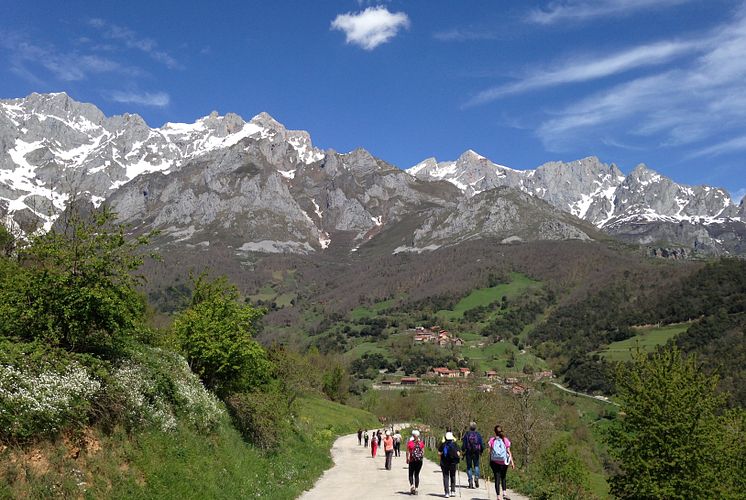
[(458, 475)]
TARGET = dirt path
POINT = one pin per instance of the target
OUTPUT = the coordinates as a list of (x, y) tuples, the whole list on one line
[(356, 475)]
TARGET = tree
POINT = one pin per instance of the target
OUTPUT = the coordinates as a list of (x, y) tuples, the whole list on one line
[(295, 373), (666, 437), (74, 287), (336, 383), (561, 474), (216, 335)]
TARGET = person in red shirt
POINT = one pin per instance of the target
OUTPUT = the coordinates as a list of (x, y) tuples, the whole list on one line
[(415, 454), (373, 446)]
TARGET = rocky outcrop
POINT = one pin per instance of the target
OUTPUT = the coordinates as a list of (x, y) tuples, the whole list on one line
[(643, 207)]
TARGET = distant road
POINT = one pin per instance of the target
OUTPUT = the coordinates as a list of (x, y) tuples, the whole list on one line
[(356, 475), (603, 399)]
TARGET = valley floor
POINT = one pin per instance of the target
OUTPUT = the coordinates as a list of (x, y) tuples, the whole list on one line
[(357, 475)]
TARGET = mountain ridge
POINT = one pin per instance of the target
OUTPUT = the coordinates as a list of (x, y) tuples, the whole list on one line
[(222, 176)]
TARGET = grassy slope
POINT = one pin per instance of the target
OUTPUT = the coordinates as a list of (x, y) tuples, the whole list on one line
[(184, 464), (647, 339), (519, 283)]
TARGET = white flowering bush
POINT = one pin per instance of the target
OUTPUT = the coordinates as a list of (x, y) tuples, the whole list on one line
[(34, 404), (156, 388)]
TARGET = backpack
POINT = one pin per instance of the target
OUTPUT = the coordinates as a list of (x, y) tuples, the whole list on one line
[(498, 451), (450, 452), (417, 453), (473, 446)]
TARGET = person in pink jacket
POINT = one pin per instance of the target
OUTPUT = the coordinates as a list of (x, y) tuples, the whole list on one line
[(500, 458), (388, 448)]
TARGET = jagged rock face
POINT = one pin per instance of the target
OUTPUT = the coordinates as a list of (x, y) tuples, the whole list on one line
[(502, 213), (257, 187), (643, 207)]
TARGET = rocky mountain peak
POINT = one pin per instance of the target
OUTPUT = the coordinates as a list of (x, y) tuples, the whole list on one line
[(266, 120)]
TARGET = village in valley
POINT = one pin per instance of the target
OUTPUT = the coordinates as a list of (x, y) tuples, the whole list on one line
[(487, 380)]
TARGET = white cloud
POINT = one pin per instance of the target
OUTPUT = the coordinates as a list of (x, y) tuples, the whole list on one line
[(729, 146), (464, 34), (155, 99), (370, 27), (702, 100), (582, 69), (132, 40), (28, 58), (583, 10)]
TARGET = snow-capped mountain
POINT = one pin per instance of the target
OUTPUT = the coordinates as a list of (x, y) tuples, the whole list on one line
[(258, 187), (702, 217), (51, 146)]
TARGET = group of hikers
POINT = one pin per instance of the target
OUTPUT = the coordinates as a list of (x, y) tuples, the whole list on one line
[(450, 453)]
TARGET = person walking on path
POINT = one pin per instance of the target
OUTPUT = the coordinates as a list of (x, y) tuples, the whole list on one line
[(448, 452), (388, 448), (500, 458), (397, 443), (472, 447), (414, 455), (366, 437), (373, 446), (379, 437), (360, 437)]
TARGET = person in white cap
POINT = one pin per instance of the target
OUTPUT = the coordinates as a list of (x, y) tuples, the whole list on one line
[(448, 451), (415, 454), (388, 447)]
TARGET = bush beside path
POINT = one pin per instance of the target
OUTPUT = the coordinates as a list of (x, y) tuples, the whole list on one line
[(357, 475)]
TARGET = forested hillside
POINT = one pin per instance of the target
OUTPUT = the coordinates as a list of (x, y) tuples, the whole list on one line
[(88, 385)]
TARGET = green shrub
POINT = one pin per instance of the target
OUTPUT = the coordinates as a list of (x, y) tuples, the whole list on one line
[(561, 474), (155, 387), (36, 404), (261, 417), (216, 335)]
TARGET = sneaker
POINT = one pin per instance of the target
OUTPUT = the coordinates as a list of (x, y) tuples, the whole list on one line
[(412, 490), (471, 485), (476, 483)]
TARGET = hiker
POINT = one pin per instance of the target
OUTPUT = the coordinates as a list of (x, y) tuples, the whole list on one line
[(379, 437), (388, 448), (473, 447), (443, 439), (366, 437), (359, 437), (500, 458), (397, 443), (415, 454), (449, 458), (373, 446)]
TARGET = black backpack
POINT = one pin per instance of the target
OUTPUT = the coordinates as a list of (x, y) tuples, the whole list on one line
[(450, 452), (417, 452)]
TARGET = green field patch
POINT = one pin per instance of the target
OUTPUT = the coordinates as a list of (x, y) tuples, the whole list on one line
[(265, 294), (495, 357), (370, 311), (367, 348), (284, 300), (519, 283), (647, 339)]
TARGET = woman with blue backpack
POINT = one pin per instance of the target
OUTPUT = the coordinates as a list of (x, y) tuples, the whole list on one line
[(500, 459)]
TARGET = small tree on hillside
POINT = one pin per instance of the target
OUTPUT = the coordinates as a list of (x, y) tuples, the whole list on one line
[(75, 287), (665, 439), (216, 334)]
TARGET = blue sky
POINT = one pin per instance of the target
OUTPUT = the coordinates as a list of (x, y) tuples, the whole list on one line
[(522, 82)]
